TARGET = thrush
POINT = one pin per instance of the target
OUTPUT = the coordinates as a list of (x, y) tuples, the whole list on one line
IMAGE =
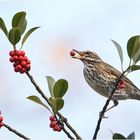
[(102, 77)]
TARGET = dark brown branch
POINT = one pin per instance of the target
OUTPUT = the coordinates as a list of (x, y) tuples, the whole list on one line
[(106, 105), (16, 132), (60, 115)]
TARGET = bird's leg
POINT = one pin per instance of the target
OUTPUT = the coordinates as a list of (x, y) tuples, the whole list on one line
[(115, 104)]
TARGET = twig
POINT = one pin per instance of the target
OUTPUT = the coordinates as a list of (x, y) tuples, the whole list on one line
[(60, 115), (16, 132), (106, 105)]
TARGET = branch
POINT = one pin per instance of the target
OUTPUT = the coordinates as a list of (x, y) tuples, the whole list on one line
[(60, 115), (16, 132), (106, 105)]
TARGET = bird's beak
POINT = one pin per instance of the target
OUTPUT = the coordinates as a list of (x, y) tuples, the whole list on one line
[(78, 54)]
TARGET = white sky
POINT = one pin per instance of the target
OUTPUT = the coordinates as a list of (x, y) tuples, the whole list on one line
[(67, 24)]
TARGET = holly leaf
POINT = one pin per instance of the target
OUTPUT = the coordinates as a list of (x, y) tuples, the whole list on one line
[(133, 48), (118, 136), (14, 35), (51, 83), (135, 67), (57, 103), (131, 136), (119, 49), (38, 101), (20, 21), (60, 88), (3, 26)]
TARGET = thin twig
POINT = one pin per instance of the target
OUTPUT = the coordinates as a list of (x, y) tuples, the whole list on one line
[(106, 104), (59, 114), (16, 132)]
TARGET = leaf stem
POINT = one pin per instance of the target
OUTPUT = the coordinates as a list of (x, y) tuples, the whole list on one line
[(16, 132)]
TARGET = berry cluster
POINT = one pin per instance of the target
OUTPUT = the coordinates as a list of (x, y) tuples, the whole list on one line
[(1, 121), (56, 125), (20, 62), (121, 84)]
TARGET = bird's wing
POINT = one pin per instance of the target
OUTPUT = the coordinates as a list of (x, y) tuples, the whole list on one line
[(113, 71)]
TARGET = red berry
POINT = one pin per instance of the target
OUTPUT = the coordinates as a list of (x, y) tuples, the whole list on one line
[(21, 53), (17, 53), (53, 124), (57, 128), (1, 124), (60, 122), (72, 53), (12, 53), (12, 59), (28, 61), (23, 63), (1, 119), (15, 58), (18, 68), (21, 58), (16, 63), (25, 58), (23, 70), (28, 66), (52, 118)]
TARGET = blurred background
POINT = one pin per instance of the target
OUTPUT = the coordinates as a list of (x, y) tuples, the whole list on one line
[(67, 24)]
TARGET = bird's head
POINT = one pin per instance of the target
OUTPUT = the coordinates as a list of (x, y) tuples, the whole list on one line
[(85, 56)]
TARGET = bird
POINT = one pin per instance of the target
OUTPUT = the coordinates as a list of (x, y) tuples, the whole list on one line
[(102, 77)]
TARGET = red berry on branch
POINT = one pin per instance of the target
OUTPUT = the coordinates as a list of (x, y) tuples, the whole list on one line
[(57, 128), (72, 53), (15, 57), (18, 68), (28, 61), (1, 124), (1, 119), (11, 59), (23, 70), (21, 58), (23, 63), (12, 53), (21, 53), (53, 124), (52, 118), (25, 58)]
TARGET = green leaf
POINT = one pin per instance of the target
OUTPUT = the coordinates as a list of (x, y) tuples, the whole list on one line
[(20, 21), (118, 136), (14, 35), (119, 49), (38, 101), (57, 103), (51, 83), (131, 136), (135, 67), (3, 26), (133, 48), (60, 88), (28, 34)]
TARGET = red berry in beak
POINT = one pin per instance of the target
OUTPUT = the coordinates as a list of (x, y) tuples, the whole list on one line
[(72, 53)]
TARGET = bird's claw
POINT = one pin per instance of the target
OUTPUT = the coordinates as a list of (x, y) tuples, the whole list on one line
[(102, 115)]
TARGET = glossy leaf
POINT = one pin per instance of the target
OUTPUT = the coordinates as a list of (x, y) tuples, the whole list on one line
[(51, 83), (20, 21), (28, 34), (38, 101), (118, 136), (131, 136), (60, 88), (133, 48), (57, 103), (119, 49), (14, 36), (135, 67), (3, 26)]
